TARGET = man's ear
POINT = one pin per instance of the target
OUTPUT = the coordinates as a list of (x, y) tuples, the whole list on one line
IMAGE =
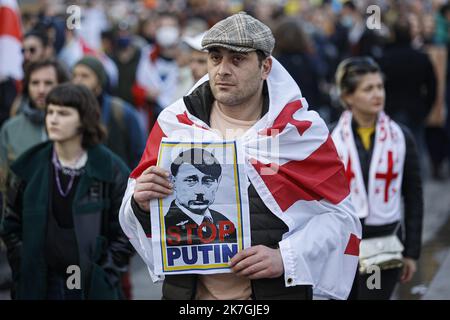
[(266, 68)]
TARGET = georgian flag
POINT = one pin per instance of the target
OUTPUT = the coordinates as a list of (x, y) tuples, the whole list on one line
[(301, 180), (380, 203), (11, 56), (77, 48)]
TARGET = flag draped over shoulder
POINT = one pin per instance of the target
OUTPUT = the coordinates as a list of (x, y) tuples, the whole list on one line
[(10, 41), (300, 178)]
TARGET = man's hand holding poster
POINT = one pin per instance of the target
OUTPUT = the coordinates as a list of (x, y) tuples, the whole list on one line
[(205, 222)]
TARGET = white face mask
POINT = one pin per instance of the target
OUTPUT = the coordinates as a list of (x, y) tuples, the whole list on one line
[(167, 36)]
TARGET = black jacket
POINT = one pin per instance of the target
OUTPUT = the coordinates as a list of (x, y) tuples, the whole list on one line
[(411, 192), (266, 228)]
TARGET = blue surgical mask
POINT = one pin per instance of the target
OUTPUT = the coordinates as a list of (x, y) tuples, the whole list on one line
[(347, 21), (123, 42)]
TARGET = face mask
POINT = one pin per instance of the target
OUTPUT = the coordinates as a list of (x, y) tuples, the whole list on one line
[(167, 36), (347, 21)]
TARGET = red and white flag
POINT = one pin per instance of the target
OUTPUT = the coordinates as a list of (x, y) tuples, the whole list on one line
[(11, 56), (291, 160), (380, 202)]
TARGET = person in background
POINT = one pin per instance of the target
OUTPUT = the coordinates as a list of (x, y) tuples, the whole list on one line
[(26, 129), (192, 62), (410, 92), (125, 135), (158, 72), (198, 58), (126, 57), (35, 47), (383, 170), (294, 51), (437, 137), (63, 198)]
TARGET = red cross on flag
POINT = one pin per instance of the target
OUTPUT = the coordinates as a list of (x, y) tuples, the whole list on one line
[(388, 176)]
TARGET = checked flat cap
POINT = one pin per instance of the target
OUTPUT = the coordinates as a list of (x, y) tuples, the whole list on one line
[(240, 32)]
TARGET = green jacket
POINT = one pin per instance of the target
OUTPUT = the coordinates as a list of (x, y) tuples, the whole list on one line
[(17, 135), (104, 250)]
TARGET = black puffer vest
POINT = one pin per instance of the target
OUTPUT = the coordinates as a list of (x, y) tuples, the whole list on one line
[(266, 228)]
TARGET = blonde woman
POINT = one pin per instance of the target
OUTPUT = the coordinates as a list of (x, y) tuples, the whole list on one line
[(383, 171)]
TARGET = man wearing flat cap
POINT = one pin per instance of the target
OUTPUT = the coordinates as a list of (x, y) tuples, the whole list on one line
[(304, 232)]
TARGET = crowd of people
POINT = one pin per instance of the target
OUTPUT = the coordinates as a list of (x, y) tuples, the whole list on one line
[(133, 59), (146, 50)]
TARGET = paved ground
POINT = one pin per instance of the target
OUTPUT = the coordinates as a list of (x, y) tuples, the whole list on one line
[(434, 263), (143, 287), (432, 280), (440, 286)]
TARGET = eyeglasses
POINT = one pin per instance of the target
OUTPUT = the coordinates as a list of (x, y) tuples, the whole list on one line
[(32, 50)]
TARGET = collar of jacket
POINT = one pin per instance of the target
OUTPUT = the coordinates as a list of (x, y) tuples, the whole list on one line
[(199, 102), (98, 166)]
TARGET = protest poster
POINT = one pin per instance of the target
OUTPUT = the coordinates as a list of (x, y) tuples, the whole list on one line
[(205, 222)]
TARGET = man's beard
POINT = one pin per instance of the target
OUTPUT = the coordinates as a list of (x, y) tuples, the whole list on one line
[(231, 100)]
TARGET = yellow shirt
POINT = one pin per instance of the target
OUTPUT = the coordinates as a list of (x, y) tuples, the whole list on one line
[(365, 134)]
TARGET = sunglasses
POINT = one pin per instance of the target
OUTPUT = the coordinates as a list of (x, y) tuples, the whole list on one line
[(32, 50)]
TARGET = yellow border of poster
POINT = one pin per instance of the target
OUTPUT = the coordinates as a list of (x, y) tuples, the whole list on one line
[(240, 238)]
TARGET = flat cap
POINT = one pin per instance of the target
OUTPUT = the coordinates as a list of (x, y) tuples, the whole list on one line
[(240, 32), (195, 42)]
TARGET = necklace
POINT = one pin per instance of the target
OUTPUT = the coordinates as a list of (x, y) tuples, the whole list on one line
[(67, 171)]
